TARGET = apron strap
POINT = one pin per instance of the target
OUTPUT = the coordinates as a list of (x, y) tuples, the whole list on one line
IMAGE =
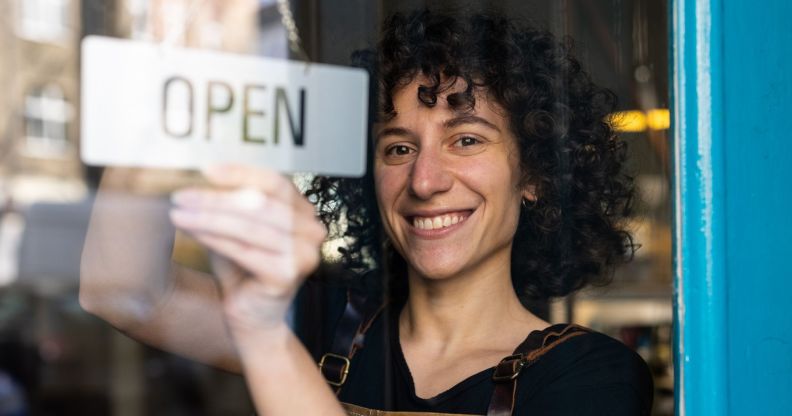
[(359, 314), (528, 352)]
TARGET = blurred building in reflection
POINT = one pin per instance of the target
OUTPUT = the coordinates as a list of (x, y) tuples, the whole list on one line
[(38, 108), (39, 75)]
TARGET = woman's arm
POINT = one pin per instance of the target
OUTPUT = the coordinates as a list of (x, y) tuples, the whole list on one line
[(127, 276), (282, 377), (265, 239)]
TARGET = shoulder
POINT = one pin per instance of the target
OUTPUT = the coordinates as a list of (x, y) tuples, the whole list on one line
[(589, 373)]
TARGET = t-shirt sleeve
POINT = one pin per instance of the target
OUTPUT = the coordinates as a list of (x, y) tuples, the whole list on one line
[(590, 375)]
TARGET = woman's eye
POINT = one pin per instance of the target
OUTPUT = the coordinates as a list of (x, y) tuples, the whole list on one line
[(398, 150), (467, 141)]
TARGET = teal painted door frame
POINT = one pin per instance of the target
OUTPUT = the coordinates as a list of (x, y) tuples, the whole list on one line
[(732, 89)]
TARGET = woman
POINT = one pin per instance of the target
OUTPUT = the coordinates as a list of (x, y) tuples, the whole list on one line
[(493, 178)]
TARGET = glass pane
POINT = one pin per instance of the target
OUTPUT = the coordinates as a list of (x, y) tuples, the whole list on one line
[(142, 282)]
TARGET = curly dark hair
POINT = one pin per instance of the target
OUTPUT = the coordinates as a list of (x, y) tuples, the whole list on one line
[(574, 233)]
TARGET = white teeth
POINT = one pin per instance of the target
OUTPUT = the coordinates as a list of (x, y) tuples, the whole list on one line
[(435, 223)]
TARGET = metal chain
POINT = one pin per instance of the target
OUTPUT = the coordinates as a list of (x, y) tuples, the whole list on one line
[(295, 43)]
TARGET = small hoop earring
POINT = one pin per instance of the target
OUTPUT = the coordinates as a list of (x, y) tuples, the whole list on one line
[(528, 203)]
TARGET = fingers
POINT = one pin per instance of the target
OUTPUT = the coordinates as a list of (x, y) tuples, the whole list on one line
[(245, 204), (229, 227), (268, 233), (269, 182), (282, 272), (262, 224)]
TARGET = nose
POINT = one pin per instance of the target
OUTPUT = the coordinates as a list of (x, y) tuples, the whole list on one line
[(429, 175)]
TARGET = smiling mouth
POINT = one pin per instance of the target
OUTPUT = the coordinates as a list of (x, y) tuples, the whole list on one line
[(438, 222)]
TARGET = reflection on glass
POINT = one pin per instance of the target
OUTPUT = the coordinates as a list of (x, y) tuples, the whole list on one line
[(56, 358)]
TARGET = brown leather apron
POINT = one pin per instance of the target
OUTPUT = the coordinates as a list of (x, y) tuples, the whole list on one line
[(354, 410)]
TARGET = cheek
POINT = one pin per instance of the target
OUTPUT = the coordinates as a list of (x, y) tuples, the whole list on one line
[(381, 186), (498, 182), (388, 181), (496, 178)]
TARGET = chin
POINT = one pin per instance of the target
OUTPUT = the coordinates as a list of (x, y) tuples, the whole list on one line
[(435, 270), (439, 261)]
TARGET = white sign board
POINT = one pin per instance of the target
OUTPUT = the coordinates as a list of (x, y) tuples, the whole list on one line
[(150, 105)]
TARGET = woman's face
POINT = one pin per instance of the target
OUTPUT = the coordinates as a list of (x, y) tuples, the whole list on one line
[(448, 184)]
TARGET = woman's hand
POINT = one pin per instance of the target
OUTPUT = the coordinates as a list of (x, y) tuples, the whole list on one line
[(264, 237)]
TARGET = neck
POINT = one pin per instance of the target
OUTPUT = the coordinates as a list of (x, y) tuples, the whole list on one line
[(463, 309)]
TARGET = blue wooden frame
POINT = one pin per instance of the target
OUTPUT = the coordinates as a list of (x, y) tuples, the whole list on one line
[(700, 292), (732, 89)]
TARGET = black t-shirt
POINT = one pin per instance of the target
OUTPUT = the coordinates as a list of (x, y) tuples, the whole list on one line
[(590, 374)]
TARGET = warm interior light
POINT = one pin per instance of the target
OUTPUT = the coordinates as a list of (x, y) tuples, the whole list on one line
[(628, 121), (636, 121), (658, 119)]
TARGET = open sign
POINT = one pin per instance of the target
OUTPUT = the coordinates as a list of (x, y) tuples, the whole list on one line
[(153, 106), (211, 110)]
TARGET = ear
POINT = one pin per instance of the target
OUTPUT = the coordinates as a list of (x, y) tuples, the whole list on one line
[(529, 192)]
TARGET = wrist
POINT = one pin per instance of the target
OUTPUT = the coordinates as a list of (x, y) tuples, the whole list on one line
[(262, 342), (251, 312)]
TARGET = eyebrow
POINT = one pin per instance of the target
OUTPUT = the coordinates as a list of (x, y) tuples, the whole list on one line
[(394, 131), (469, 119), (448, 124)]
